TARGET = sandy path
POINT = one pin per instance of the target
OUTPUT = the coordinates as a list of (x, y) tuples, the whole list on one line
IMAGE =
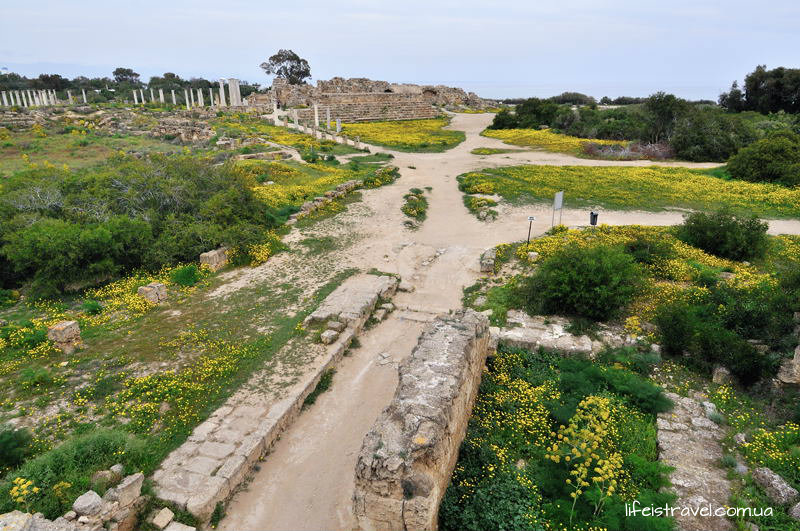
[(306, 482)]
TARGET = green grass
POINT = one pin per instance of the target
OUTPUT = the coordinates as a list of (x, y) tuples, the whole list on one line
[(417, 136), (491, 151), (651, 188), (323, 385), (375, 157)]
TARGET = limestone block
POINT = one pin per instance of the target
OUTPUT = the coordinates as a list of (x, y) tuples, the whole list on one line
[(328, 336), (216, 259), (216, 450), (154, 292), (487, 260), (775, 486), (163, 518), (64, 332), (721, 376), (177, 526), (88, 504), (794, 512), (129, 489), (336, 326)]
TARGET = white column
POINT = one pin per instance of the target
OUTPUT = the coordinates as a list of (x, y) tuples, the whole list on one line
[(316, 115), (5, 99), (135, 98), (338, 125), (222, 93), (36, 99), (186, 98), (174, 101), (55, 97), (328, 117), (210, 96), (25, 99), (69, 97), (274, 105), (152, 96), (83, 91), (191, 95), (200, 98), (161, 95), (13, 99)]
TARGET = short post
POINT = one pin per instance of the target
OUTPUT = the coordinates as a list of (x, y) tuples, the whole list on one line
[(531, 219), (328, 117), (186, 98), (83, 91), (338, 125)]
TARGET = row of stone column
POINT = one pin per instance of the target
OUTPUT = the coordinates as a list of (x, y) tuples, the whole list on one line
[(328, 122), (195, 97), (34, 98), (322, 134)]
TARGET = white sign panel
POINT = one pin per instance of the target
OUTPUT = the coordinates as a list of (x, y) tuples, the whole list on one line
[(558, 201)]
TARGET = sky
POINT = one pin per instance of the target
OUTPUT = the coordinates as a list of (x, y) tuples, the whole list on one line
[(500, 49)]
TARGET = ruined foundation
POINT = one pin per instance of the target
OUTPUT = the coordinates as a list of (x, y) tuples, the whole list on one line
[(407, 458)]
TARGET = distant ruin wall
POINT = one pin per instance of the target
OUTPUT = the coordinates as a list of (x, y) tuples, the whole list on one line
[(364, 107), (407, 458)]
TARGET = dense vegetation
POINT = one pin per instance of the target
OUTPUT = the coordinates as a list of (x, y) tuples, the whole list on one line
[(772, 159), (559, 443), (62, 228), (765, 91)]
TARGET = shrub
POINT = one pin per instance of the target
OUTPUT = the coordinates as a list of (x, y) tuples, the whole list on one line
[(185, 276), (91, 307), (14, 446), (594, 282), (773, 159), (724, 234)]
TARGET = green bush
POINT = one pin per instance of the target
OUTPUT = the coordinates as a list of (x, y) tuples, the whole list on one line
[(185, 276), (91, 307), (774, 159), (14, 447), (594, 282), (725, 234)]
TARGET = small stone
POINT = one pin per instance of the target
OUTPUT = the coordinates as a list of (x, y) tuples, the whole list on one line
[(405, 286), (533, 256), (721, 376), (655, 348), (64, 332), (129, 489), (105, 478), (741, 469), (177, 526), (118, 469), (740, 438), (388, 306), (336, 326), (70, 516), (379, 314), (163, 518), (487, 260), (328, 336), (155, 292), (215, 260), (88, 504)]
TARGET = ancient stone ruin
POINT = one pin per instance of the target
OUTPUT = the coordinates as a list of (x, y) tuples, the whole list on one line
[(407, 458), (155, 292), (66, 335), (216, 259)]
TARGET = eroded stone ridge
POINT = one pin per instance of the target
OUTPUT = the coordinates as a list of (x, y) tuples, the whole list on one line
[(354, 298), (408, 457)]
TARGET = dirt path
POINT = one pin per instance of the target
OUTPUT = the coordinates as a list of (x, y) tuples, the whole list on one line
[(306, 482)]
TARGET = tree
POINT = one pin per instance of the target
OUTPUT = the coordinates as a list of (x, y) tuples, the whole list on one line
[(662, 111), (288, 65), (125, 75)]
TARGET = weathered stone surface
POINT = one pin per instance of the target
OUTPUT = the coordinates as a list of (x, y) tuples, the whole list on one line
[(64, 332), (690, 443), (154, 292), (407, 458), (775, 486), (721, 375), (355, 298), (405, 286), (216, 259), (162, 518), (487, 260), (88, 504), (336, 326), (789, 372), (106, 477), (328, 336), (129, 489), (118, 469), (794, 511), (177, 526)]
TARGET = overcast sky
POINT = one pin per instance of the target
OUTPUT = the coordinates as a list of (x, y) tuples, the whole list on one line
[(498, 49)]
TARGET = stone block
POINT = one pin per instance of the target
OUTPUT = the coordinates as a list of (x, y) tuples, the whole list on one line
[(177, 526), (155, 292), (721, 375), (487, 260), (380, 314), (216, 259), (129, 489), (216, 450), (64, 332), (88, 504), (328, 336), (336, 326), (202, 465), (162, 518), (205, 498)]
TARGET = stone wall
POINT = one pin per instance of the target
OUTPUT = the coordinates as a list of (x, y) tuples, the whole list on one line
[(407, 458), (365, 107)]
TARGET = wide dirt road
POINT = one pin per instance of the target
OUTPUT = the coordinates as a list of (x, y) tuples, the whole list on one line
[(306, 482)]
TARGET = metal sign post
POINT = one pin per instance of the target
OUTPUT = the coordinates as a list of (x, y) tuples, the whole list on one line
[(531, 219), (558, 204)]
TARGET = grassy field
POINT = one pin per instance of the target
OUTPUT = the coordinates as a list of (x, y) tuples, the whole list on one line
[(547, 140), (491, 151), (74, 150), (423, 136), (647, 188)]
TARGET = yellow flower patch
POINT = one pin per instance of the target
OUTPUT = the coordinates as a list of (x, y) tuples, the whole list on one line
[(548, 140)]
